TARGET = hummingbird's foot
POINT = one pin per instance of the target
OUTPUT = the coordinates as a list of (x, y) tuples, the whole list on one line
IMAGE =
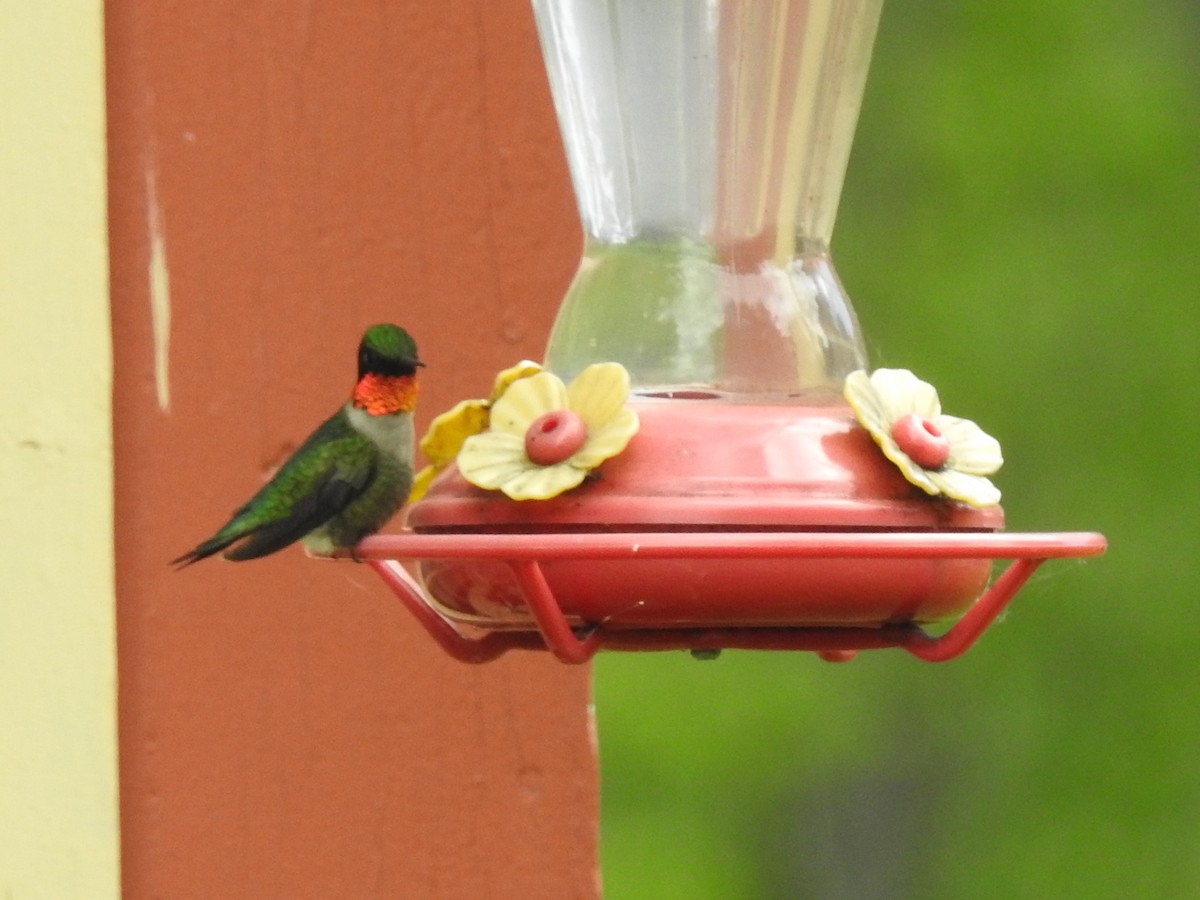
[(319, 552)]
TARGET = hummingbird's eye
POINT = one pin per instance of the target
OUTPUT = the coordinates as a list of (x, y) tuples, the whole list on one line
[(369, 360)]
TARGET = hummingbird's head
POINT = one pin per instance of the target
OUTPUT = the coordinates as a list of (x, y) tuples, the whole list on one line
[(387, 371), (387, 350)]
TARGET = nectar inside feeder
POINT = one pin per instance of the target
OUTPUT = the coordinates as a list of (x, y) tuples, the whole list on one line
[(707, 145)]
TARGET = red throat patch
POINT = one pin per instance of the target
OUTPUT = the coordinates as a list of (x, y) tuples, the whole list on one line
[(382, 395)]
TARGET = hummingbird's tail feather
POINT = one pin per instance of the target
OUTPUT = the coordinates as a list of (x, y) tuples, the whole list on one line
[(270, 538), (250, 536), (236, 529), (203, 551)]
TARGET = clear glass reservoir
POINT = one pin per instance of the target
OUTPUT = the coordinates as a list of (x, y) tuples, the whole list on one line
[(707, 142)]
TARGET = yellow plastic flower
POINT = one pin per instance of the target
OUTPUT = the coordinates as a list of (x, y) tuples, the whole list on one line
[(447, 432), (938, 453), (545, 437)]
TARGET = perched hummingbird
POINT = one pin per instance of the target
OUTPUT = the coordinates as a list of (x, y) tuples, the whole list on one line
[(351, 474)]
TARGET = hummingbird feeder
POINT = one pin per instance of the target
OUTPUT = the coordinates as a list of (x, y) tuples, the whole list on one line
[(721, 471)]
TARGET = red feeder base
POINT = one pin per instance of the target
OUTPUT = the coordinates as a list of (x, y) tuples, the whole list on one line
[(721, 525)]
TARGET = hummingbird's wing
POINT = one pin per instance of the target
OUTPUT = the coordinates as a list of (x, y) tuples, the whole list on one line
[(305, 493), (332, 494)]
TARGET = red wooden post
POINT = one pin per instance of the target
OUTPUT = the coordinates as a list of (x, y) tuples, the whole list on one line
[(282, 175)]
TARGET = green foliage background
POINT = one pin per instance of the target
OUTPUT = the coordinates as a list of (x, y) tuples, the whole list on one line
[(1019, 226)]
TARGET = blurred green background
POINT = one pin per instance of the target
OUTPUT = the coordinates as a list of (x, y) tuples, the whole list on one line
[(1020, 227)]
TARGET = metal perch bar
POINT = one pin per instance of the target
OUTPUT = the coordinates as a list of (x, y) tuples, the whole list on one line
[(731, 545), (523, 552)]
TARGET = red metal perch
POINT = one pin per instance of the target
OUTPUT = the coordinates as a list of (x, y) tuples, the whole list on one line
[(525, 554)]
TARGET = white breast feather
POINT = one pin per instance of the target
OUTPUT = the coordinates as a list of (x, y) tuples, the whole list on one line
[(391, 434)]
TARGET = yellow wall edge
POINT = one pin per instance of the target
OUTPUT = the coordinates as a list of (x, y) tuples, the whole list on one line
[(59, 830)]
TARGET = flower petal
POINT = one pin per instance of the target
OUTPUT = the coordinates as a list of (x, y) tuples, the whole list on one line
[(913, 473), (490, 459), (901, 392), (447, 431), (542, 482), (504, 380), (864, 400), (972, 450), (598, 393), (498, 459), (421, 482), (608, 441), (526, 400), (972, 489), (873, 413)]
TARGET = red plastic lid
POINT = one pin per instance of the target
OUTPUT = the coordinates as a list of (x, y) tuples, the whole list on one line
[(717, 464)]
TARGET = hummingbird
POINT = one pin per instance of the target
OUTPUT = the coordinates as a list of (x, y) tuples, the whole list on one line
[(349, 477)]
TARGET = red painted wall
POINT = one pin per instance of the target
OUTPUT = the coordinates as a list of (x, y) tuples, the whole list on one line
[(311, 168)]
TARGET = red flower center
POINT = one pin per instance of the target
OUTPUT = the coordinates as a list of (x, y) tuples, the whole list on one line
[(921, 440), (554, 437)]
